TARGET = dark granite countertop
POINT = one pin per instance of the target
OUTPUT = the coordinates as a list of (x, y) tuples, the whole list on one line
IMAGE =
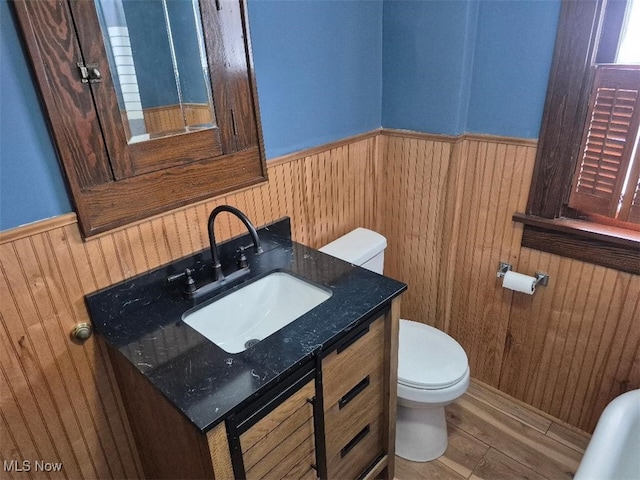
[(142, 319)]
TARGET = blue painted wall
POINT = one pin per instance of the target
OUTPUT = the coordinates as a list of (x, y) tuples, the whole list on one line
[(454, 66), (31, 185), (319, 70), (424, 66), (511, 63), (328, 70)]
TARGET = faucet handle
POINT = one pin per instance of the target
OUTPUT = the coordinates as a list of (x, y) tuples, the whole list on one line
[(190, 285), (242, 258), (256, 248)]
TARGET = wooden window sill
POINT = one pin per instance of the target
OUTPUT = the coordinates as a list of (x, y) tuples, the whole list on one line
[(604, 245)]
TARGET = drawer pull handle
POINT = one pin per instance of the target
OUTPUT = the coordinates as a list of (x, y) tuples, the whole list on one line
[(353, 393), (351, 340), (354, 441)]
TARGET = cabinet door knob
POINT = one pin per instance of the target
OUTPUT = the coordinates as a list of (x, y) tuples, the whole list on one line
[(94, 74), (81, 332)]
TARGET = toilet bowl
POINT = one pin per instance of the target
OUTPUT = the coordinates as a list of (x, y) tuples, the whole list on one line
[(433, 369)]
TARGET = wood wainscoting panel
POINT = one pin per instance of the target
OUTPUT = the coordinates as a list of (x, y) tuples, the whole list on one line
[(495, 178), (59, 399), (573, 346), (445, 206), (411, 215)]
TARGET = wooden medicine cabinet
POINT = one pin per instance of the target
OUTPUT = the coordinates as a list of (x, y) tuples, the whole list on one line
[(152, 104)]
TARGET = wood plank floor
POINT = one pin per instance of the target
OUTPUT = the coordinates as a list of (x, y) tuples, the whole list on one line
[(494, 437)]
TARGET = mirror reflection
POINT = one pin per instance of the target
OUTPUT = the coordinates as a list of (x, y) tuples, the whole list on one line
[(159, 66)]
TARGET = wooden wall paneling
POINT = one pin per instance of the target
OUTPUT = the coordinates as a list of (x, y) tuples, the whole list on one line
[(71, 279), (353, 204), (326, 197), (430, 225), (315, 183), (445, 206), (410, 239), (60, 401), (511, 174), (303, 202), (413, 191), (515, 356), (443, 225), (593, 330), (546, 349), (310, 204), (112, 263), (491, 313), (59, 300), (379, 203), (621, 370), (451, 234), (281, 199), (579, 317), (472, 268), (490, 181), (21, 404), (76, 257), (41, 379), (369, 185), (7, 438), (407, 243), (573, 344), (463, 324), (389, 207)]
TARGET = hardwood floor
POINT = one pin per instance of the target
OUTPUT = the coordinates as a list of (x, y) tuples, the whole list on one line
[(494, 437)]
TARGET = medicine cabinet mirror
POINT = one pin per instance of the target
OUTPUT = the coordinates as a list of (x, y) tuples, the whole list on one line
[(157, 55), (152, 104)]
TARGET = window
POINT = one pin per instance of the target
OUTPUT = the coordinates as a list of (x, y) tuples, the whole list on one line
[(606, 182), (583, 197)]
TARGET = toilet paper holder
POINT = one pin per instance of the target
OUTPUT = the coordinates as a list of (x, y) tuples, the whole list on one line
[(541, 278)]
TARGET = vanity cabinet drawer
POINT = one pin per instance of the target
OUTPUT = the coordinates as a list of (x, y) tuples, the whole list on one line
[(345, 368), (351, 458), (344, 421), (281, 445), (353, 390)]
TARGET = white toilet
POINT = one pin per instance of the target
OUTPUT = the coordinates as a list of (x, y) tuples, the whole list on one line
[(433, 369)]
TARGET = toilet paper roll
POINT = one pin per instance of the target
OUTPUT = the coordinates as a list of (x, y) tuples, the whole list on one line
[(519, 282)]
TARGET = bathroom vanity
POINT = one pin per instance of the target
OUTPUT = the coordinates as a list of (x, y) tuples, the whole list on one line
[(314, 399)]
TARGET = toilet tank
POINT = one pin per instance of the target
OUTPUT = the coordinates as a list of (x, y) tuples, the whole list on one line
[(361, 247)]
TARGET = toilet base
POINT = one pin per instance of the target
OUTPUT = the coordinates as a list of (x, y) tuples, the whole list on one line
[(421, 433)]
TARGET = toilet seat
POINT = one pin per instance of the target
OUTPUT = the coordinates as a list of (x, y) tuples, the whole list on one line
[(429, 359)]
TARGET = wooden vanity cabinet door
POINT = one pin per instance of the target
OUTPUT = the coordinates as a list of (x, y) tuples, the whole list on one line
[(354, 405), (282, 445)]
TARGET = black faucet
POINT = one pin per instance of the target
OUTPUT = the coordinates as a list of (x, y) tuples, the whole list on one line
[(215, 256), (190, 289)]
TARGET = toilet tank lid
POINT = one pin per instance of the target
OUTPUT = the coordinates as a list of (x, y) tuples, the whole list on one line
[(357, 247)]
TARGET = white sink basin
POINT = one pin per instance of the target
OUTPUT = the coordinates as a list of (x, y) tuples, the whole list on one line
[(252, 313)]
